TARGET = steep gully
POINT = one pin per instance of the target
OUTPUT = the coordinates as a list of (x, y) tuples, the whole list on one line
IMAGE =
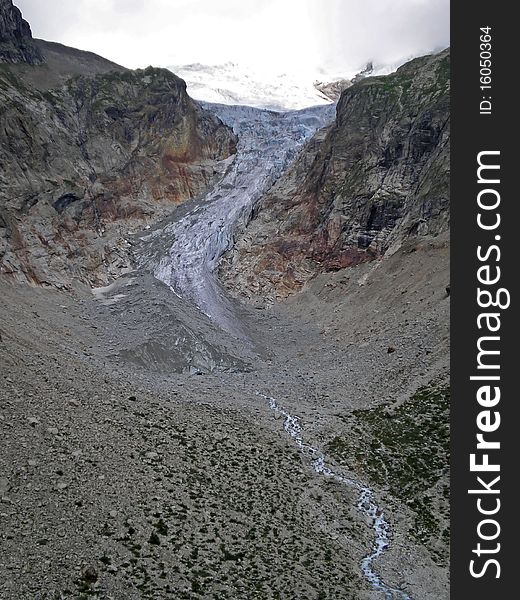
[(198, 235)]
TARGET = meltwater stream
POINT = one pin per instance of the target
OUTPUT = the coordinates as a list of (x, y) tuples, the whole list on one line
[(366, 504)]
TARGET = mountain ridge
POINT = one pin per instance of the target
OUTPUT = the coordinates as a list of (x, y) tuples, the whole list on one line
[(88, 151)]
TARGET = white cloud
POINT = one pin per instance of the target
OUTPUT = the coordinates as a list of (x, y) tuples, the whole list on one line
[(279, 35)]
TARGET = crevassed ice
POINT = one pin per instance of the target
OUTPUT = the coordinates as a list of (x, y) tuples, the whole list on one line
[(268, 141)]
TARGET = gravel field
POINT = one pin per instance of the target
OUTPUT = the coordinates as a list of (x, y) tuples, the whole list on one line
[(121, 479)]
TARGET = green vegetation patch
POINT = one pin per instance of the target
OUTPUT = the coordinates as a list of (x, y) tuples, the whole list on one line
[(406, 448)]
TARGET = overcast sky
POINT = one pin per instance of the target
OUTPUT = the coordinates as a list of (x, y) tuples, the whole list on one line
[(297, 36)]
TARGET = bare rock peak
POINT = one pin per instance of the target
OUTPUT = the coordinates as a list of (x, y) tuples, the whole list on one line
[(16, 42)]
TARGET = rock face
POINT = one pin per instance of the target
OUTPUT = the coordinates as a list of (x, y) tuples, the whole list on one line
[(377, 177), (16, 44), (87, 161), (332, 90)]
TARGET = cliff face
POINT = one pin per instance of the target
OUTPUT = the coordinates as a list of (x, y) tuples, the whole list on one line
[(378, 177), (16, 44), (84, 162)]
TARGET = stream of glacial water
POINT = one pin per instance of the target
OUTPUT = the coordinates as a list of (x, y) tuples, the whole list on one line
[(366, 505)]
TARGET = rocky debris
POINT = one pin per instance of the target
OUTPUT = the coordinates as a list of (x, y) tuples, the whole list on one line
[(157, 504), (84, 164), (379, 176), (240, 507), (16, 43), (172, 337), (90, 574)]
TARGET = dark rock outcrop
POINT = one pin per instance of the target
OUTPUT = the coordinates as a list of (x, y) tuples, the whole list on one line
[(378, 177), (16, 43)]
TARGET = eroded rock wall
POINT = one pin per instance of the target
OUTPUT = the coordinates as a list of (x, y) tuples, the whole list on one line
[(87, 161), (377, 177)]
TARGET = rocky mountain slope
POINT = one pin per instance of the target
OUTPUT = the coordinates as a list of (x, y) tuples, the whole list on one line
[(91, 156), (60, 63), (159, 439), (378, 177), (16, 43)]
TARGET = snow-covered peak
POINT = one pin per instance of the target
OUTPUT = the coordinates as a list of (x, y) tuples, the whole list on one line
[(230, 83), (234, 84)]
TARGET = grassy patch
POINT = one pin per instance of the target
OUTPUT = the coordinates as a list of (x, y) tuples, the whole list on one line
[(406, 448)]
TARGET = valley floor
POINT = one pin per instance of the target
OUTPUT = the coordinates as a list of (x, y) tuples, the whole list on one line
[(123, 477)]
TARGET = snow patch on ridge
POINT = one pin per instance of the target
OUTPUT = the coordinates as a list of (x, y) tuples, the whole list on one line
[(233, 84)]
